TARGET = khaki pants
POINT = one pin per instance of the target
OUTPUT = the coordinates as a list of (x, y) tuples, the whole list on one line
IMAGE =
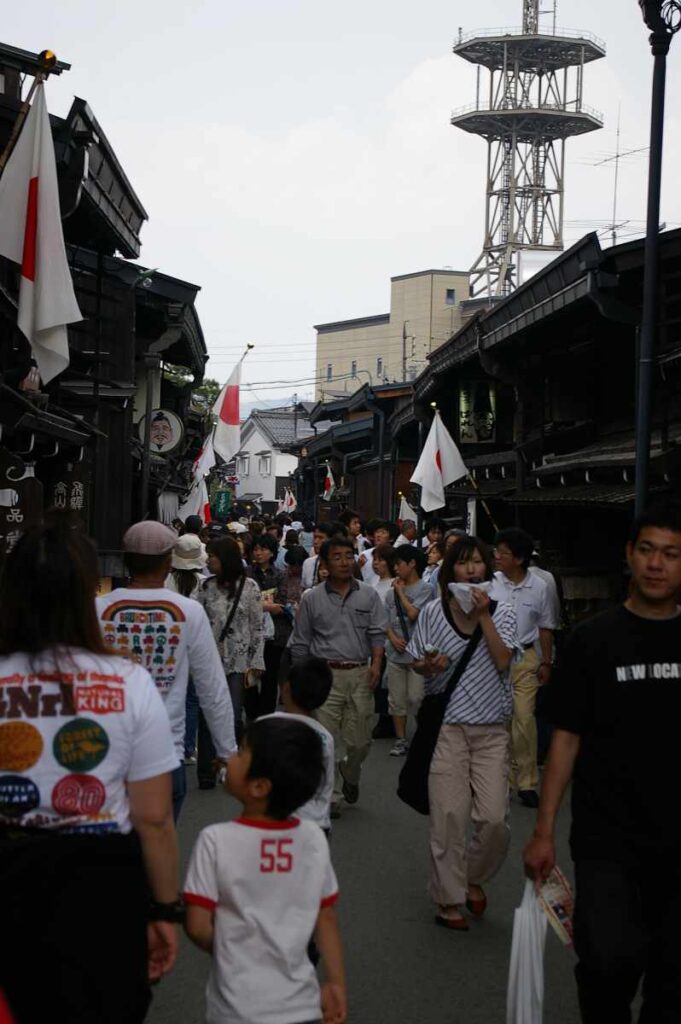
[(468, 782), (405, 689), (348, 714), (524, 725)]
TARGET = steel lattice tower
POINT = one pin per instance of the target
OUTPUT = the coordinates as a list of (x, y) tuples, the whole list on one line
[(533, 105)]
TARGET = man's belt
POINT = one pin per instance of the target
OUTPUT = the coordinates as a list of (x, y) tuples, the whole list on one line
[(346, 664)]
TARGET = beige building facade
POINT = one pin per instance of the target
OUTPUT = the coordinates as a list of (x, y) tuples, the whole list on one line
[(425, 310)]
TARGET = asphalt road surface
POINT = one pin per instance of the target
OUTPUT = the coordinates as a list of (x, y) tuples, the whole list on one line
[(400, 966)]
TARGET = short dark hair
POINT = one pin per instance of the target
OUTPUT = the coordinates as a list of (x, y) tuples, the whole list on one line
[(347, 515), (193, 524), (408, 553), (289, 754), (387, 553), (266, 540), (276, 526), (519, 543), (337, 541), (325, 528), (665, 515), (462, 549), (436, 524), (339, 528), (143, 565), (310, 681), (296, 555), (47, 590)]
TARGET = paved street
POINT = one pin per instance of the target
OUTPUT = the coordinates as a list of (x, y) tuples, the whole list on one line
[(401, 967)]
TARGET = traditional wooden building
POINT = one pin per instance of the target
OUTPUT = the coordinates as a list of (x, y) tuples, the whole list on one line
[(539, 392), (77, 442)]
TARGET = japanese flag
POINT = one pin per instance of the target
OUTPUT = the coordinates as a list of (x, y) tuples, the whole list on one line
[(196, 502), (290, 503), (31, 235), (227, 433), (440, 464), (205, 459), (406, 511), (329, 484)]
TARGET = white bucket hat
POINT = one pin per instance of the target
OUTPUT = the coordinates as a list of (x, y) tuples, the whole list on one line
[(189, 553)]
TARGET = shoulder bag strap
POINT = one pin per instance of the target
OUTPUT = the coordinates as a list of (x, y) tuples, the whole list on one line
[(232, 610), (400, 612), (464, 661)]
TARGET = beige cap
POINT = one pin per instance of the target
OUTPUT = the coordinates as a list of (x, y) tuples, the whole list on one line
[(149, 538)]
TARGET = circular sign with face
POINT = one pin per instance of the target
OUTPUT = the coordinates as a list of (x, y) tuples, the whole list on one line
[(165, 433)]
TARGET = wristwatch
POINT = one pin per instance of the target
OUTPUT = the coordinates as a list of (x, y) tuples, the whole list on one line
[(173, 912)]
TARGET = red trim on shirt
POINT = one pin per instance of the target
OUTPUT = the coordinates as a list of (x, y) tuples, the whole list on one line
[(273, 825), (199, 901), (329, 901)]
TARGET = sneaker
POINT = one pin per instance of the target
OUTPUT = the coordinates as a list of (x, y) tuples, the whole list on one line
[(400, 749), (350, 790)]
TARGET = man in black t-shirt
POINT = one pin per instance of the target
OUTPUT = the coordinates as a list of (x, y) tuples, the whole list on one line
[(616, 708)]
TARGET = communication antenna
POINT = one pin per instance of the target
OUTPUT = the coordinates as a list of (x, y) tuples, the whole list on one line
[(533, 104), (616, 158)]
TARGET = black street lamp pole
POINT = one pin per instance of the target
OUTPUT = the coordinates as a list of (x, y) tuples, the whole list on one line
[(663, 18)]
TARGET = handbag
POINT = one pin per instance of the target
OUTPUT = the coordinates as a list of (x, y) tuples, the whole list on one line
[(412, 786), (232, 610)]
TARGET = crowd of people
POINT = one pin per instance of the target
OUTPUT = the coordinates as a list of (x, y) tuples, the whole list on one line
[(269, 653)]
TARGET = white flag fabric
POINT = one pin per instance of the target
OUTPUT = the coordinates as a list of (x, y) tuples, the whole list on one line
[(227, 433), (31, 235), (406, 511), (329, 484), (290, 503), (205, 459), (440, 464), (281, 505), (196, 503)]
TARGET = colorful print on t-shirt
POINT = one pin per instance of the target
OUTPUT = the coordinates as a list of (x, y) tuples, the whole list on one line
[(147, 632)]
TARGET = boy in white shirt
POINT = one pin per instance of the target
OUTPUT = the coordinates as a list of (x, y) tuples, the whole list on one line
[(306, 688), (258, 886)]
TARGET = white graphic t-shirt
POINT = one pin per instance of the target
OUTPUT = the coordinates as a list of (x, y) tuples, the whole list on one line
[(74, 728), (170, 636), (266, 883), (318, 809)]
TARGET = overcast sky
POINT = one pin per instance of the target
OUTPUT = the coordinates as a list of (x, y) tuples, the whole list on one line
[(293, 155)]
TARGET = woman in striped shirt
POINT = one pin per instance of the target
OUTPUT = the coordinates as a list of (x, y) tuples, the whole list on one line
[(468, 780)]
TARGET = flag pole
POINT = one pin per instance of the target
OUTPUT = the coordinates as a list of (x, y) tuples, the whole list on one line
[(474, 485), (49, 60)]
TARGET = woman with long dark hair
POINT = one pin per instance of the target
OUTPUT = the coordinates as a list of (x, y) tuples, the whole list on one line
[(272, 584), (234, 608), (468, 781), (88, 853)]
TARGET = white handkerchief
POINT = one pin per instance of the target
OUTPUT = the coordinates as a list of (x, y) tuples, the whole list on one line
[(462, 592)]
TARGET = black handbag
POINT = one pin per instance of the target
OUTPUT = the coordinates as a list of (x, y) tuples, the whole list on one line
[(232, 610), (412, 786)]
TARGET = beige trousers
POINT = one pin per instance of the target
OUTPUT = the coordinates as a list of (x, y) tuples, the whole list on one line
[(348, 714), (523, 725), (468, 782), (405, 689)]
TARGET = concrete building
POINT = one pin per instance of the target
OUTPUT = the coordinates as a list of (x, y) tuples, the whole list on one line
[(425, 310)]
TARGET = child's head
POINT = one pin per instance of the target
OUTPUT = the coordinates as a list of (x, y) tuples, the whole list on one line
[(280, 765), (409, 560), (308, 683)]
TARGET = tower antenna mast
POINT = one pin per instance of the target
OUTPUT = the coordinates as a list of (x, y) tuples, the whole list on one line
[(534, 102)]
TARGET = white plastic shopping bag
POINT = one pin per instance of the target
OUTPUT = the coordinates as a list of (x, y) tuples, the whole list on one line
[(525, 998)]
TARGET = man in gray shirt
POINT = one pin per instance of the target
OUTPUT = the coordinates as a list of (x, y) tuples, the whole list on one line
[(344, 621)]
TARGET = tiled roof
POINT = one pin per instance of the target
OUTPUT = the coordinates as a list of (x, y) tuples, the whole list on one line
[(282, 427)]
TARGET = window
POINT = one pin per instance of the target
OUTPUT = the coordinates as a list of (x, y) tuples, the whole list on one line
[(329, 371), (265, 465), (450, 299), (353, 368), (379, 366), (242, 465)]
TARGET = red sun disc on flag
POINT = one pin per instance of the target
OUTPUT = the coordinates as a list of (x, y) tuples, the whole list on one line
[(438, 460)]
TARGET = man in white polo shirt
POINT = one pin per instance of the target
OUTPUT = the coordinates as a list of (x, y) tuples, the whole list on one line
[(529, 596)]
